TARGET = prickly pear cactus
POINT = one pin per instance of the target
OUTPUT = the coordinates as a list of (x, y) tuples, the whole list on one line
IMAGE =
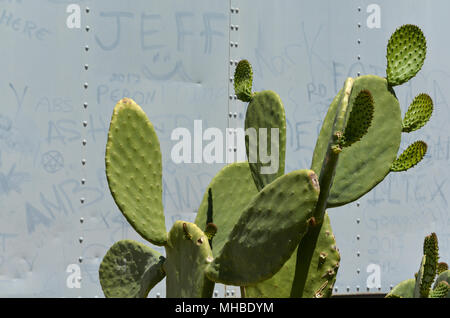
[(430, 270), (249, 249)]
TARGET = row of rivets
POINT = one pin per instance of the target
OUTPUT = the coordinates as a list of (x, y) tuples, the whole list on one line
[(84, 141)]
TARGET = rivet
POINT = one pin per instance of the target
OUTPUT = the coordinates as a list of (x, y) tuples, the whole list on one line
[(84, 123), (88, 10), (358, 271), (359, 25), (231, 62), (236, 62), (88, 28), (236, 27), (358, 253), (335, 289), (232, 10), (358, 204), (86, 48), (357, 288), (235, 149), (216, 293), (391, 287), (359, 57), (228, 293), (237, 10), (86, 85), (81, 220), (85, 105), (359, 73), (359, 41), (358, 237), (235, 115), (82, 200), (231, 96), (348, 288), (83, 181), (80, 239), (358, 221), (359, 9), (235, 96), (232, 293), (230, 115), (86, 67), (80, 259), (231, 79), (84, 142), (232, 27), (158, 295), (368, 288), (83, 161)]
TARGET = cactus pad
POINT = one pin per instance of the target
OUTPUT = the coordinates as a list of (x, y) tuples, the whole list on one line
[(266, 111), (360, 118), (418, 114), (443, 277), (243, 81), (366, 163), (134, 170), (404, 289), (231, 190), (441, 290), (325, 261), (410, 157), (130, 269), (188, 253), (406, 51), (268, 231)]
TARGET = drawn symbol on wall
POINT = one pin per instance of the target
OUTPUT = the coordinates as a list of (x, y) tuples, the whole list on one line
[(52, 161)]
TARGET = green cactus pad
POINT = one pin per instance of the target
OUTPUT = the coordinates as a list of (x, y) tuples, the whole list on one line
[(419, 288), (441, 267), (319, 283), (134, 170), (410, 157), (266, 111), (443, 277), (360, 118), (418, 114), (366, 163), (188, 253), (130, 270), (231, 190), (441, 290), (268, 231), (243, 81), (431, 250), (404, 290), (406, 51)]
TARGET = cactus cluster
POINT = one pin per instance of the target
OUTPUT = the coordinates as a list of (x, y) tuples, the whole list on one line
[(274, 238), (254, 246), (431, 270)]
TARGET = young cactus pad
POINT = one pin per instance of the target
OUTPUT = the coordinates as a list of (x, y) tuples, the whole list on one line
[(265, 126)]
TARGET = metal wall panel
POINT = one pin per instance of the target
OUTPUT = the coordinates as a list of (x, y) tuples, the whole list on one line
[(175, 58)]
